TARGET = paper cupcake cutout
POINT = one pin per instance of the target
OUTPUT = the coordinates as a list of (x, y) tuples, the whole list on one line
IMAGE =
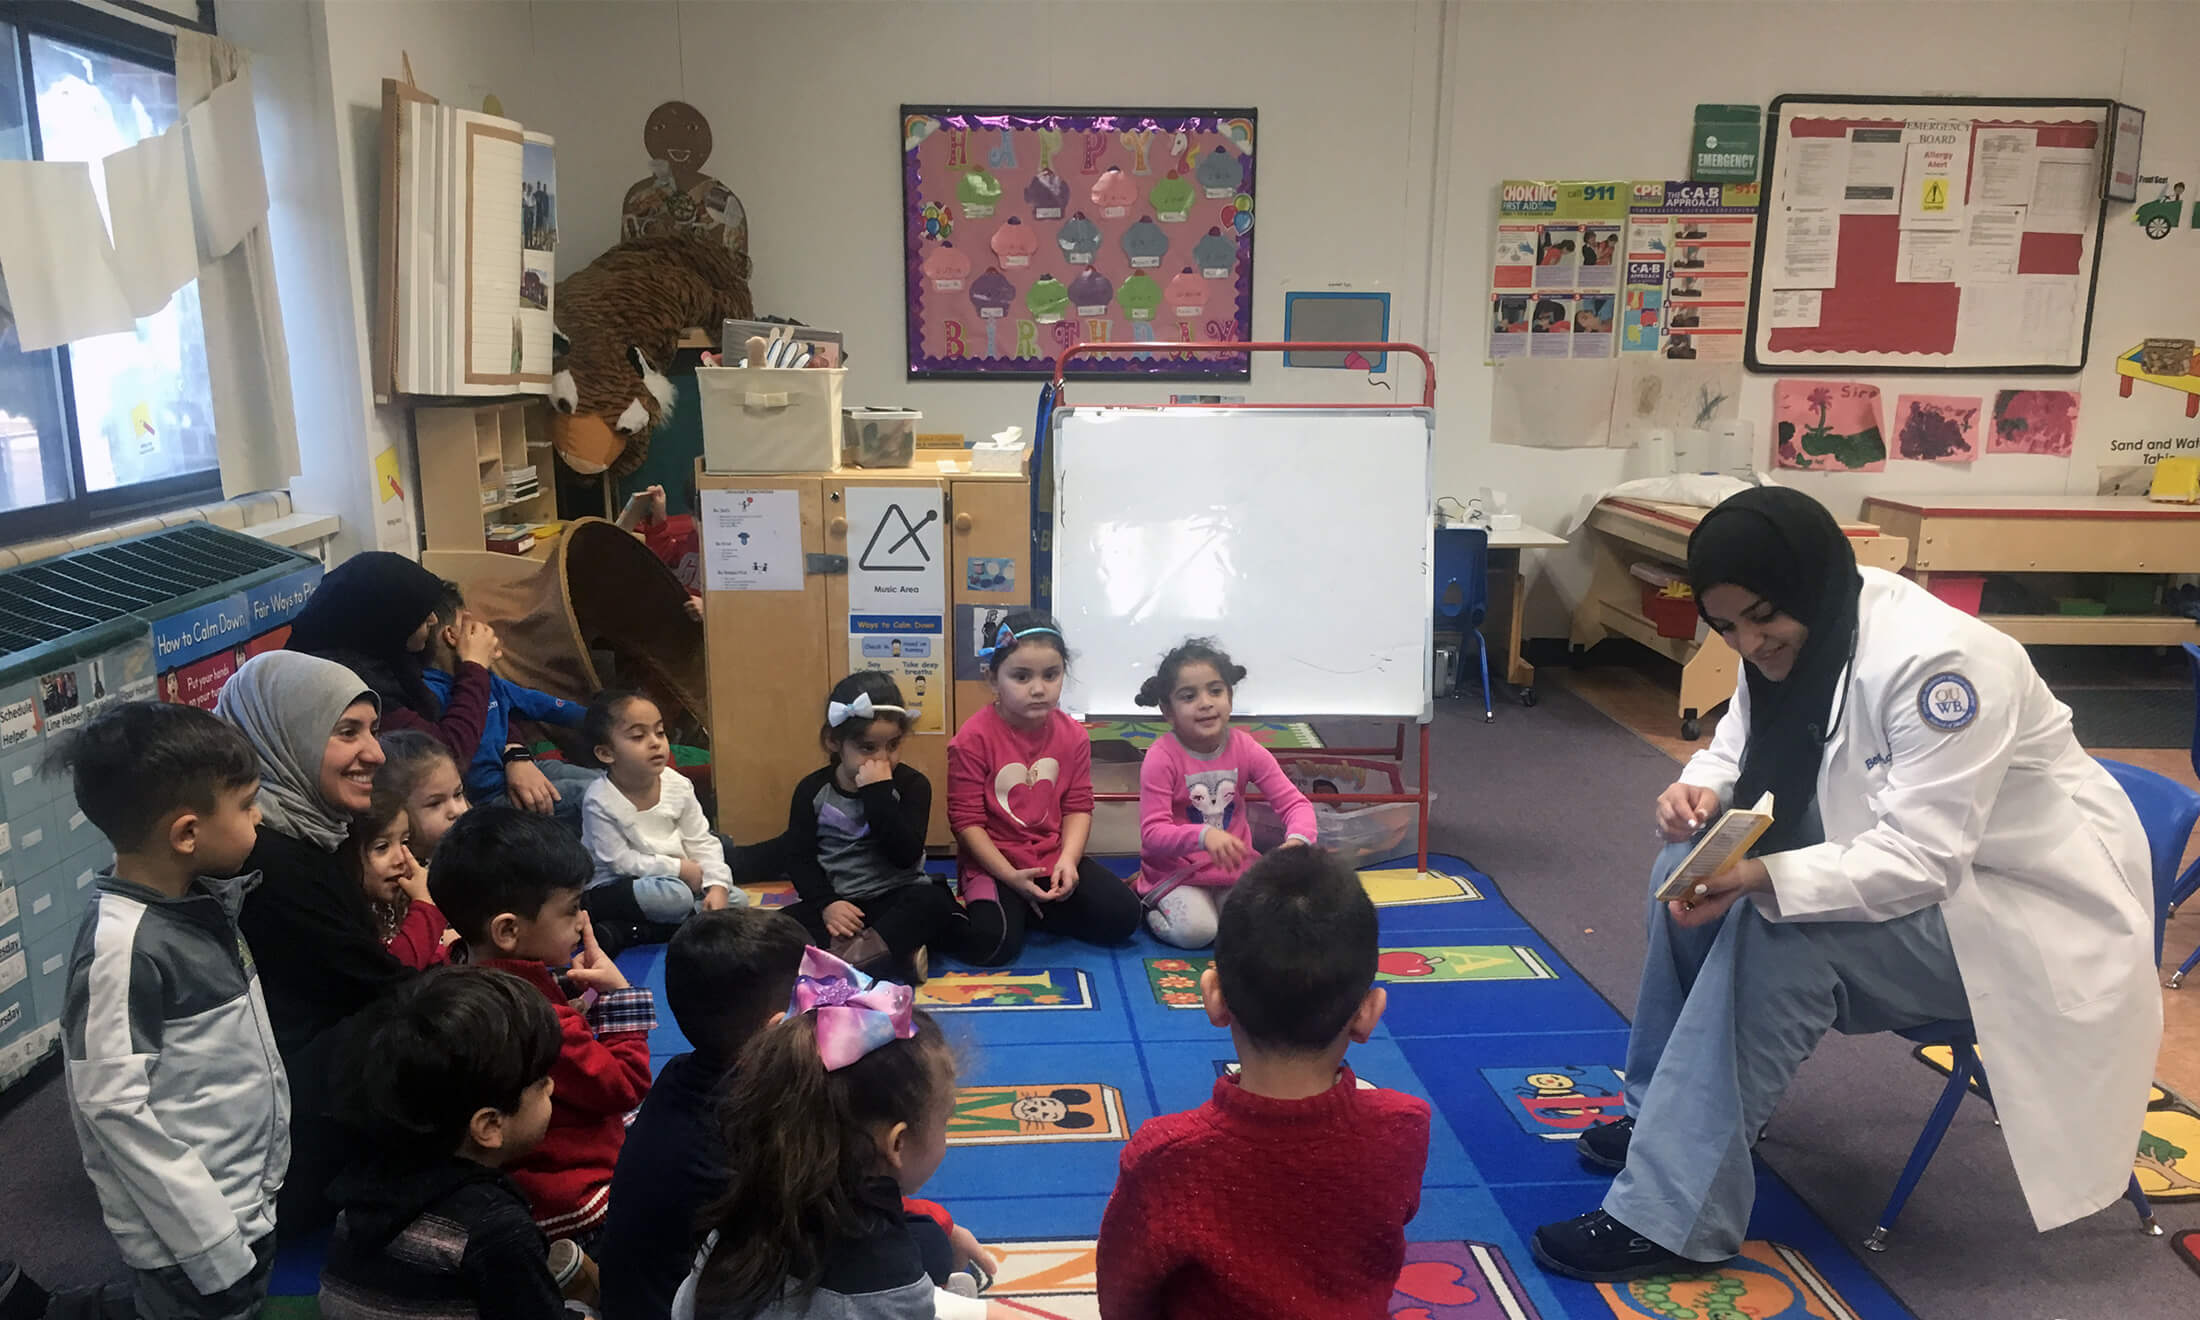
[(1113, 192), (1014, 243), (1145, 244), (1047, 194), (1139, 296), (1219, 173), (1215, 256), (1172, 199), (1187, 293), (991, 293), (1048, 301), (979, 192), (1090, 293), (1079, 239), (946, 268)]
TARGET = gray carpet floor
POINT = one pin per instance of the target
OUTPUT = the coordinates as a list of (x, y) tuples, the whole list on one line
[(1553, 802)]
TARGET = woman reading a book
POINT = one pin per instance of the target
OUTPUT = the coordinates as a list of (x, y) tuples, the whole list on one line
[(1940, 848)]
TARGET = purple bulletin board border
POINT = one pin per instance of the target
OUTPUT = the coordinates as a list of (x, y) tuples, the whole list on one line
[(1205, 366)]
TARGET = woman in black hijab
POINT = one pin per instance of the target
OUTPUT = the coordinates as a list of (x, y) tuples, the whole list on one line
[(1932, 814), (372, 614)]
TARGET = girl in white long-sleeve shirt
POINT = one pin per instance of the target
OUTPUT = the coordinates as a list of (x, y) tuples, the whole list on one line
[(656, 858)]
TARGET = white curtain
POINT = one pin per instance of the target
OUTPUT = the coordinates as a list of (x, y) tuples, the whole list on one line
[(248, 363)]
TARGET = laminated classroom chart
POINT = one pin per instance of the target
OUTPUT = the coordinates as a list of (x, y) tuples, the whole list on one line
[(1555, 278), (752, 540), (1690, 250), (1941, 233), (1029, 232)]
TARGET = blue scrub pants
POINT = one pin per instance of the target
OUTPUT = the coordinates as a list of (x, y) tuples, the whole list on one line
[(1727, 1013)]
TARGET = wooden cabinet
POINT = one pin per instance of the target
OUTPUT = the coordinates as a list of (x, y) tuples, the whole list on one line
[(775, 654), (464, 454)]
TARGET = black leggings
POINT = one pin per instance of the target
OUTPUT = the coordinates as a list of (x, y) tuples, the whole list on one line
[(1101, 910), (909, 918)]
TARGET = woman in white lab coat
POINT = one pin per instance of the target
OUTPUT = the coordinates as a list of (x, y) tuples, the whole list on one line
[(1942, 848)]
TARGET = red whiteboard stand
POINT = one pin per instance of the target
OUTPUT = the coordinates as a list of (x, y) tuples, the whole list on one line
[(1418, 795)]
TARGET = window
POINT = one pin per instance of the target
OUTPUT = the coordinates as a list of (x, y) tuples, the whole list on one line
[(122, 424)]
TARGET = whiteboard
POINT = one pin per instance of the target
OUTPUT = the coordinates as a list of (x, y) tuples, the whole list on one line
[(1299, 539)]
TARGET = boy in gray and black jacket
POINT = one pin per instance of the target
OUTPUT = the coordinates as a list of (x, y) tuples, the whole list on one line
[(178, 1095)]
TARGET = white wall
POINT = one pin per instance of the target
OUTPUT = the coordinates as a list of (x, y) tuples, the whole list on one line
[(1385, 126), (1750, 52)]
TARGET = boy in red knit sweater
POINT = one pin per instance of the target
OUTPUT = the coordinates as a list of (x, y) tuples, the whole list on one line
[(1288, 1192), (509, 882)]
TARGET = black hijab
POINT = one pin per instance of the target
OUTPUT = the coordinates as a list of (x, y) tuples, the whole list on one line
[(361, 616), (1784, 546)]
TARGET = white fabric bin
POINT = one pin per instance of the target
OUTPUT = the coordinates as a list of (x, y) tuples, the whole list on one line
[(770, 419)]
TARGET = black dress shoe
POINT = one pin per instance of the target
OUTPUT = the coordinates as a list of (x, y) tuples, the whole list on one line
[(1605, 1145), (1597, 1248)]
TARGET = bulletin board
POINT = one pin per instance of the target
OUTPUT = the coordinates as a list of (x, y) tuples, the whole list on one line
[(1028, 231), (1904, 234)]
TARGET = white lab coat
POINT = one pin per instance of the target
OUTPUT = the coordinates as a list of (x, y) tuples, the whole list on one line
[(2035, 855)]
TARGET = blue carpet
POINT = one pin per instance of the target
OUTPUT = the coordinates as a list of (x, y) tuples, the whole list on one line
[(1514, 1055)]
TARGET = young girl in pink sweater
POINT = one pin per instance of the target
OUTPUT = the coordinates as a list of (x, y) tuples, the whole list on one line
[(1194, 840)]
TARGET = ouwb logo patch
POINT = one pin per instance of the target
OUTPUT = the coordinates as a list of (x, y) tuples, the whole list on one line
[(1948, 701)]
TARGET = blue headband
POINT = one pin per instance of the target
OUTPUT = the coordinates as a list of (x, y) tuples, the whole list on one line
[(1005, 640)]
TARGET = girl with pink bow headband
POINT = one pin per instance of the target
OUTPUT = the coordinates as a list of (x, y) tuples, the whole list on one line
[(836, 1113)]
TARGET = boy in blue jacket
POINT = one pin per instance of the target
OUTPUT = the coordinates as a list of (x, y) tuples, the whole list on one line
[(504, 772)]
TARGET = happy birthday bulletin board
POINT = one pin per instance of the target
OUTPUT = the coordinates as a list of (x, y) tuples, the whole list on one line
[(1030, 231)]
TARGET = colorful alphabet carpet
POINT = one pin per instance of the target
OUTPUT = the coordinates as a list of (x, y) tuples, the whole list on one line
[(1072, 1048)]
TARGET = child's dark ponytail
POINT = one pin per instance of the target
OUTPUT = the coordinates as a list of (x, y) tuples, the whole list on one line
[(801, 1148), (1195, 650)]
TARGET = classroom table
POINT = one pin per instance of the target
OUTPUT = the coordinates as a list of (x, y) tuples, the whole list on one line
[(2051, 534), (1508, 592), (1624, 532)]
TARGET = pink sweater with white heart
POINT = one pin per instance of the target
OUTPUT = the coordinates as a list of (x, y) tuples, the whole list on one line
[(1018, 786)]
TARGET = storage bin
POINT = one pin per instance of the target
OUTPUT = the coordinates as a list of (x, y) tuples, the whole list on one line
[(1359, 833), (878, 437), (2133, 593), (1961, 590), (770, 419), (1672, 616)]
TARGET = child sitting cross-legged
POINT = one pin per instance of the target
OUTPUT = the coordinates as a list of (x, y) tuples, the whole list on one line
[(509, 882), (727, 976), (837, 1112), (448, 1085), (1288, 1192), (656, 859), (854, 845)]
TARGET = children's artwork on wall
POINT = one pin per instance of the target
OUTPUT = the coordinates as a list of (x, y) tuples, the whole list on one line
[(678, 197), (2034, 422), (1827, 426), (1030, 231), (1937, 428)]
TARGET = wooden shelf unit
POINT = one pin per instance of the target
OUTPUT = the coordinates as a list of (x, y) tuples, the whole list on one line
[(462, 452)]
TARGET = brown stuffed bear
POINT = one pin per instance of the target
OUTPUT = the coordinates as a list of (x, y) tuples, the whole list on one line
[(619, 324)]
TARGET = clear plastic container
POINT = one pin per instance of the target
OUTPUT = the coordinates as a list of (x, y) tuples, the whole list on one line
[(878, 437)]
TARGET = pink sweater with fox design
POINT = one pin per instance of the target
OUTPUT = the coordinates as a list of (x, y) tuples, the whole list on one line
[(1181, 794)]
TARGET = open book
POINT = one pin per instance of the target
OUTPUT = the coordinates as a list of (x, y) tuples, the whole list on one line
[(468, 231), (1726, 842)]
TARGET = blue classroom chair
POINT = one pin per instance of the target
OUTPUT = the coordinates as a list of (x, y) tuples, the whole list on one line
[(1463, 593), (2168, 810), (2189, 882)]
